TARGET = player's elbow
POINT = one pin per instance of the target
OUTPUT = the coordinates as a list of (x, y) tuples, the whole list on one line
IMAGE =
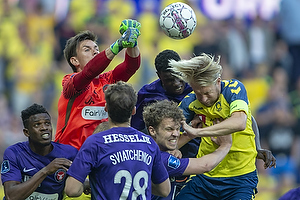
[(163, 189), (73, 188), (208, 167), (241, 126), (71, 192)]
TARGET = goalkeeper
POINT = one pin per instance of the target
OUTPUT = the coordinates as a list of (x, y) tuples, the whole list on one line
[(81, 104)]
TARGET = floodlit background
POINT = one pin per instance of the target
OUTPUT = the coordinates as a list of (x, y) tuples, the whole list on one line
[(258, 40)]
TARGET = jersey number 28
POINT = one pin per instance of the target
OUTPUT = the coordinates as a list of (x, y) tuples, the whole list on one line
[(135, 183)]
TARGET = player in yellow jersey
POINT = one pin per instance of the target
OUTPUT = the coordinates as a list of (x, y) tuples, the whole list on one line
[(235, 177)]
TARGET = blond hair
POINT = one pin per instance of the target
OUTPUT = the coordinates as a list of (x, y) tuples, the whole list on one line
[(203, 70)]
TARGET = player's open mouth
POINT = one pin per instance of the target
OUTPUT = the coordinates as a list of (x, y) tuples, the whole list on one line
[(174, 141), (46, 136), (178, 89)]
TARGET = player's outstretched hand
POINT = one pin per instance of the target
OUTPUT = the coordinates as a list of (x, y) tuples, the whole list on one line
[(196, 122), (189, 131), (267, 157), (128, 39), (57, 163), (176, 152), (126, 23)]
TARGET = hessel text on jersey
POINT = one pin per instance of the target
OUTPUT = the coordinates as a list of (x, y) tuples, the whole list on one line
[(125, 138), (94, 113)]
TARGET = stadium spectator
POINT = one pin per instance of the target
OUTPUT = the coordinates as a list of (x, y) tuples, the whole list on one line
[(36, 169), (118, 152), (81, 104), (163, 120), (288, 21), (213, 99)]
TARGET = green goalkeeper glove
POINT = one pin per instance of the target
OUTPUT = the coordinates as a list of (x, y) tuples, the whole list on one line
[(126, 23), (128, 39)]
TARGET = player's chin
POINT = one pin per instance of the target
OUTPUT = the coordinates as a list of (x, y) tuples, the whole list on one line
[(172, 145)]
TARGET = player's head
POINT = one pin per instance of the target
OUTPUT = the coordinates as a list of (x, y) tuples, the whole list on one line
[(120, 102), (37, 124), (162, 119), (172, 84), (203, 73), (80, 49)]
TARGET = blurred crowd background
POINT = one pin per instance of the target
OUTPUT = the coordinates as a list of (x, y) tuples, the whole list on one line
[(258, 41)]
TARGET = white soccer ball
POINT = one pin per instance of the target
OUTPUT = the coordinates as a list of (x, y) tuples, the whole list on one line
[(178, 20)]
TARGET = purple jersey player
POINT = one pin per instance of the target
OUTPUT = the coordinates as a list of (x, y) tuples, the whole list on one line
[(36, 169), (162, 120), (122, 162)]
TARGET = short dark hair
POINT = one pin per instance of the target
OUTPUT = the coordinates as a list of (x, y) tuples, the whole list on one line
[(155, 112), (120, 101), (32, 110), (162, 60), (73, 43)]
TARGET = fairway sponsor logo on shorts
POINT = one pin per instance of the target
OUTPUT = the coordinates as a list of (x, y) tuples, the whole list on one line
[(94, 113), (38, 196), (173, 162)]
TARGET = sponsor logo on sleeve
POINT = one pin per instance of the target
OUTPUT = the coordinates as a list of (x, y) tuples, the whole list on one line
[(5, 167), (173, 162)]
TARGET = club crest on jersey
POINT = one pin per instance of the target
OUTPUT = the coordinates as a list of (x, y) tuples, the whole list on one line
[(5, 167), (218, 106), (60, 175), (173, 162)]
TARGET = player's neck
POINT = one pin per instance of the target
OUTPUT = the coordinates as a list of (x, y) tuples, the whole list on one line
[(114, 124)]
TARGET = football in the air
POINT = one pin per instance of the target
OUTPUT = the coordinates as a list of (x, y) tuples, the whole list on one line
[(178, 20)]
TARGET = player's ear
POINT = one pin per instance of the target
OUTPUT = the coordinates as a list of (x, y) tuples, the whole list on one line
[(158, 74), (105, 108), (218, 81), (133, 111), (152, 131), (25, 131), (74, 61)]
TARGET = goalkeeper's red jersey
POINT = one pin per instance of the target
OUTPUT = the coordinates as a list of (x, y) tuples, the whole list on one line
[(82, 111)]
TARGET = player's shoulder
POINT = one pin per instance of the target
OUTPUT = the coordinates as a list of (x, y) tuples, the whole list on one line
[(17, 147), (232, 86), (151, 87), (65, 147), (189, 98), (232, 83)]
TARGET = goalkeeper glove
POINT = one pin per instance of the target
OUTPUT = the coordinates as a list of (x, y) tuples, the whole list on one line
[(128, 39), (126, 23)]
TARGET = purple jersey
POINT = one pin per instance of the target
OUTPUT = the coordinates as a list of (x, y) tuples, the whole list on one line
[(175, 168), (121, 163), (150, 93), (20, 163)]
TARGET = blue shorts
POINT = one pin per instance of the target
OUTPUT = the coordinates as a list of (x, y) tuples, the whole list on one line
[(229, 188)]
